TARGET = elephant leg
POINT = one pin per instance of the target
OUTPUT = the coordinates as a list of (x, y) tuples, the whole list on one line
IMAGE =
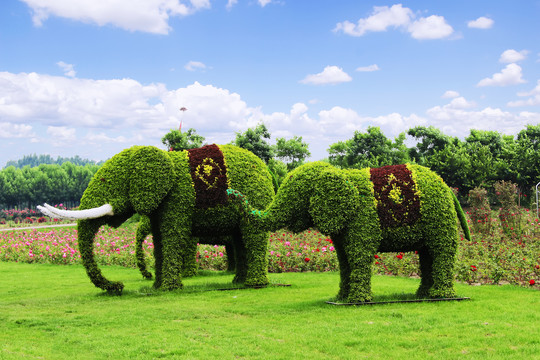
[(443, 251), (240, 258), (169, 242), (360, 245), (143, 230), (344, 268), (256, 244), (158, 256), (231, 259), (426, 266), (360, 279), (190, 265), (443, 271)]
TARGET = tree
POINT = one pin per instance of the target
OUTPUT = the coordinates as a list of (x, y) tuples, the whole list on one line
[(369, 149), (452, 163), (293, 151), (430, 140), (492, 139), (253, 139), (526, 161), (279, 170), (175, 140)]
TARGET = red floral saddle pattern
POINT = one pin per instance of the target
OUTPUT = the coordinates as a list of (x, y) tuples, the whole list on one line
[(209, 175), (398, 203)]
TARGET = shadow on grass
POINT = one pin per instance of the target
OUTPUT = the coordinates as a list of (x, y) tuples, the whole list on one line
[(205, 280)]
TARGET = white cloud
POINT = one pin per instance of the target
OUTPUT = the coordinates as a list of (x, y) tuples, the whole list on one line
[(9, 130), (67, 68), (61, 133), (457, 119), (330, 75), (134, 15), (195, 65), (449, 94), (369, 68), (513, 56), (481, 23), (341, 121), (460, 103), (263, 3), (432, 27), (381, 19), (101, 138), (97, 118), (510, 75), (57, 101), (231, 3), (534, 97), (397, 16)]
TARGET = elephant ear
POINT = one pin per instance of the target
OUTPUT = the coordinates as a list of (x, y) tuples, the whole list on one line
[(334, 202), (152, 177)]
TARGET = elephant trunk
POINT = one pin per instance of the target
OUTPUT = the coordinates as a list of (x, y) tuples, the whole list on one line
[(87, 230), (265, 220)]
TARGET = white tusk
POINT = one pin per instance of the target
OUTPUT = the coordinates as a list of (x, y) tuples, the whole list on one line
[(76, 214), (45, 211)]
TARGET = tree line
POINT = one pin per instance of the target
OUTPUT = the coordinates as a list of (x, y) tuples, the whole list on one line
[(29, 186), (36, 160), (479, 160)]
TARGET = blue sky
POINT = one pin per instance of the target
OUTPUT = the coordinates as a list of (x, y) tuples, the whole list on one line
[(90, 78)]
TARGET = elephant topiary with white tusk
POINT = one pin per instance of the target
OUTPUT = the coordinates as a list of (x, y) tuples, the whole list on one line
[(183, 194)]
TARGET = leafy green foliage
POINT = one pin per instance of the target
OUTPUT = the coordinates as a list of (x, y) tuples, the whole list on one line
[(369, 149), (293, 151), (430, 140), (176, 140), (253, 139)]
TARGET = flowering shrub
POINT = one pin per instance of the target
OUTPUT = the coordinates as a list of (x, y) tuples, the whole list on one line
[(307, 251), (506, 192), (480, 211)]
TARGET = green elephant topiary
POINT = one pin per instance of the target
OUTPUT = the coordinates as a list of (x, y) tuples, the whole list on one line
[(183, 194), (388, 209)]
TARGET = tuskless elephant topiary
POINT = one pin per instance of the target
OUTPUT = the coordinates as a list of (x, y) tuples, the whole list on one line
[(388, 209), (183, 194)]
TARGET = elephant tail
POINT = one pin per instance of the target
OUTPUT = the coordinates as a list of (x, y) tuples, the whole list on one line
[(461, 217)]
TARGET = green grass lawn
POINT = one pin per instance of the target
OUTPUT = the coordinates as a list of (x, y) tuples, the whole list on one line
[(54, 312)]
